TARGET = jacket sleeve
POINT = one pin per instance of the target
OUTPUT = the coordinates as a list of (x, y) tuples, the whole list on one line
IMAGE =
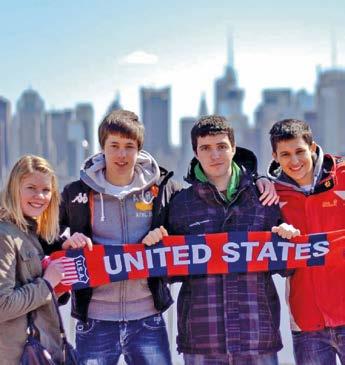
[(161, 204), (16, 301)]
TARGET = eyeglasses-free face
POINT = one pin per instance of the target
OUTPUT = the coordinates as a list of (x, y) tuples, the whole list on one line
[(295, 157), (215, 154), (35, 193)]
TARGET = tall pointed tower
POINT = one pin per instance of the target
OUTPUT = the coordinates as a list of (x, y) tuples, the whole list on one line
[(228, 96)]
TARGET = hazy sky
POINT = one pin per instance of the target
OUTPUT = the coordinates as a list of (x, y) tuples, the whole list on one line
[(81, 50)]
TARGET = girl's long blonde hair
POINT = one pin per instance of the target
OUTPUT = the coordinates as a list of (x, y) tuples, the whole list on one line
[(48, 221)]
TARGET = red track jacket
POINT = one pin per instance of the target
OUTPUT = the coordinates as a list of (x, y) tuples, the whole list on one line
[(316, 295)]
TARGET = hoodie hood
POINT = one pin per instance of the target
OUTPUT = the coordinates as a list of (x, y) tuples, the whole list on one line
[(146, 173), (276, 173), (244, 158)]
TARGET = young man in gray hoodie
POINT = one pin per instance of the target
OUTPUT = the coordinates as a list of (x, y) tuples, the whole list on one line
[(121, 194)]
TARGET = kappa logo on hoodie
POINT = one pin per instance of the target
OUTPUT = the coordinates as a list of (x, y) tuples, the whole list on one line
[(81, 198)]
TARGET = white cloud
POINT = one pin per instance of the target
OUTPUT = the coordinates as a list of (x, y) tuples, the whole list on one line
[(139, 58)]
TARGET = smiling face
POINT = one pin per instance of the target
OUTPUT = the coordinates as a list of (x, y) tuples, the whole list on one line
[(121, 155), (295, 158), (35, 193), (215, 155)]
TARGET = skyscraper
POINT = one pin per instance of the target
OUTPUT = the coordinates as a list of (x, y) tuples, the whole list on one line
[(84, 114), (229, 99), (29, 123), (5, 137), (78, 147), (186, 150), (57, 122), (70, 136), (155, 114), (276, 104), (228, 96), (330, 92)]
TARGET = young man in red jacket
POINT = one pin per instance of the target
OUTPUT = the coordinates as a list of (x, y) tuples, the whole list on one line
[(311, 187)]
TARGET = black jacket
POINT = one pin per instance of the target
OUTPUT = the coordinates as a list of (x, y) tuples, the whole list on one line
[(77, 217)]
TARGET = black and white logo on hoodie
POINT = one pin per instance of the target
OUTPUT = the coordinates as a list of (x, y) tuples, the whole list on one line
[(81, 198)]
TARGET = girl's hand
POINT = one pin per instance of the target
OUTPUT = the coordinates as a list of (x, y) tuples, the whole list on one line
[(54, 272)]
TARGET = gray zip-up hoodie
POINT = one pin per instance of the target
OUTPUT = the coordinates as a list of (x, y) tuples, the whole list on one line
[(121, 214)]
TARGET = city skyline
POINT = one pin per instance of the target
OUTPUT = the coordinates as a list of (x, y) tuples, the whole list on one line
[(325, 103), (72, 56)]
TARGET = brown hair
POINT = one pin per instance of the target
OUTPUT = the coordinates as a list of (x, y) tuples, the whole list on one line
[(290, 129), (123, 122), (211, 125)]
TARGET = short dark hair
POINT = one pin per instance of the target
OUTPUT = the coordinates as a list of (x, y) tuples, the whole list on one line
[(290, 129), (121, 122), (211, 125)]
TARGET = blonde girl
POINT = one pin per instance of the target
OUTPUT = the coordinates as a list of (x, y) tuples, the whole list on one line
[(28, 214)]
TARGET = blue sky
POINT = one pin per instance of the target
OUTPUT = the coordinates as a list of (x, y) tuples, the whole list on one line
[(71, 51)]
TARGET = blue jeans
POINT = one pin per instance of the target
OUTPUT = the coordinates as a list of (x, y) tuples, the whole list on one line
[(265, 359), (143, 342), (319, 347)]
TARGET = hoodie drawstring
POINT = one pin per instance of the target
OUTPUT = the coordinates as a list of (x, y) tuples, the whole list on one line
[(102, 208)]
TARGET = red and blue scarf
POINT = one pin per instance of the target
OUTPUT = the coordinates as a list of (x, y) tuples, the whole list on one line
[(216, 253)]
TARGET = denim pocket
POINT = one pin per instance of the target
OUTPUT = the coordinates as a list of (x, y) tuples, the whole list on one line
[(155, 322), (85, 327)]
